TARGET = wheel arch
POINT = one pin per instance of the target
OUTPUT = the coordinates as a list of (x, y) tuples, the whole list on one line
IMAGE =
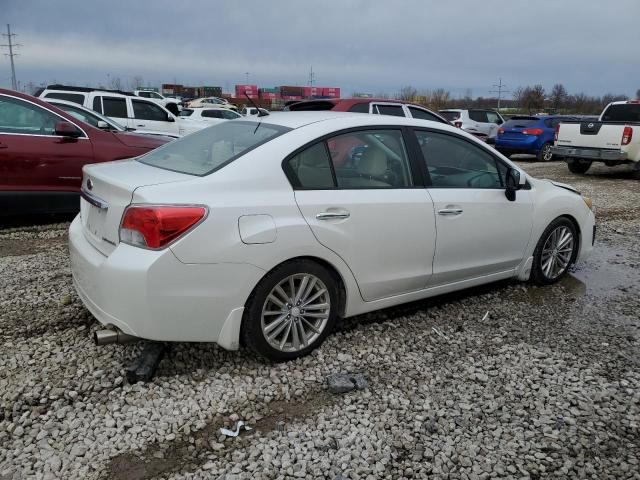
[(576, 225)]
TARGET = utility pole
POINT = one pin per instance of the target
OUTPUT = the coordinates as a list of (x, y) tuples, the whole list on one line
[(312, 77), (500, 90), (246, 75), (10, 45)]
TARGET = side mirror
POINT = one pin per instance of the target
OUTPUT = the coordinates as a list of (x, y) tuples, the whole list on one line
[(102, 125), (67, 130), (170, 118), (513, 184)]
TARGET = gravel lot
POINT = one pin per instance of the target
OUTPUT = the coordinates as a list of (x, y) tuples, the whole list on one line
[(544, 386)]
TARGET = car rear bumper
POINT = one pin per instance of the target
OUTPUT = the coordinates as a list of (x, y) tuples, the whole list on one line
[(518, 145), (589, 153), (152, 295)]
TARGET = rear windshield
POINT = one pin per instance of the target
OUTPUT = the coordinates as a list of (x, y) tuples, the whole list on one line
[(212, 148), (623, 112), (311, 106), (520, 122), (451, 116)]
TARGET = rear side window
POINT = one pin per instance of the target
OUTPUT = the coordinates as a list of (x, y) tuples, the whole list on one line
[(69, 97), (423, 114), (362, 159), (394, 110), (185, 112), (144, 94), (208, 150), (478, 116), (624, 112), (147, 111), (97, 104), (114, 107), (212, 114), (230, 115), (359, 108)]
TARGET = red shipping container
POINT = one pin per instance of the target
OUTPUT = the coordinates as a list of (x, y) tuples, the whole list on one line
[(249, 89), (291, 97), (333, 92)]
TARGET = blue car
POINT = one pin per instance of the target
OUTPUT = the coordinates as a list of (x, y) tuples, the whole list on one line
[(533, 135)]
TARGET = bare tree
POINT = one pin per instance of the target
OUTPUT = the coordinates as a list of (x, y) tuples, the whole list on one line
[(136, 82), (439, 98), (558, 96), (518, 95), (115, 83), (408, 93), (534, 98), (468, 96), (638, 94)]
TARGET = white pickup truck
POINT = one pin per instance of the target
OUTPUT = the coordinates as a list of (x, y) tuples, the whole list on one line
[(613, 139)]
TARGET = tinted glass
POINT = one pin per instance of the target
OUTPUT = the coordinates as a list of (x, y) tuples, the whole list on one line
[(360, 108), (208, 150), (228, 114), (114, 107), (311, 168), (212, 113), (493, 117), (97, 104), (478, 116), (456, 163), (88, 117), (370, 159), (147, 111), (423, 114), (624, 112), (521, 123), (394, 110), (69, 97), (185, 112), (144, 94), (17, 116), (451, 116)]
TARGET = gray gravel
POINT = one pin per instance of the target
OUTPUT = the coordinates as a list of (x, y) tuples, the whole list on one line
[(545, 386)]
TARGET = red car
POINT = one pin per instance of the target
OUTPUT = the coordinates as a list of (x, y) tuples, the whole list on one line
[(43, 150), (398, 108)]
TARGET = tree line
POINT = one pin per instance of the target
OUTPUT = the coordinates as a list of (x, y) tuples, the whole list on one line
[(529, 99)]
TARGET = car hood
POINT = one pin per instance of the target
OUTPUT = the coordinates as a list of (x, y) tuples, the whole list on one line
[(137, 140), (563, 185)]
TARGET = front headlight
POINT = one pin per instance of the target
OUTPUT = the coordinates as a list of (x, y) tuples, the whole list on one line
[(588, 202)]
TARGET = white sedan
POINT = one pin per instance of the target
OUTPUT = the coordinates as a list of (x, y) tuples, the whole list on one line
[(208, 114), (266, 233)]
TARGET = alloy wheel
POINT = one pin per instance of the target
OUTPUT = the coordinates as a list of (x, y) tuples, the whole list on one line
[(546, 153), (296, 312), (557, 252)]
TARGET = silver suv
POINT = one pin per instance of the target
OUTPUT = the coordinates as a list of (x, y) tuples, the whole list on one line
[(483, 124)]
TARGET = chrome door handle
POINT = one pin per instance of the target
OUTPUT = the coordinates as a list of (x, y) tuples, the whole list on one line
[(332, 215), (450, 211)]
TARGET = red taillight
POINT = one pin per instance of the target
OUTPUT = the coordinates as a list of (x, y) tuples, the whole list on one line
[(157, 226), (500, 131), (533, 131), (458, 124), (627, 135), (557, 131)]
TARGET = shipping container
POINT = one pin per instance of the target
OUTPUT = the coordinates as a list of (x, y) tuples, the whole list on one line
[(249, 89), (288, 98), (211, 91), (269, 90), (332, 92), (292, 91)]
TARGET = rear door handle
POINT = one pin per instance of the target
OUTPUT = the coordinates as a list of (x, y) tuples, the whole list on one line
[(332, 215), (141, 125), (450, 211)]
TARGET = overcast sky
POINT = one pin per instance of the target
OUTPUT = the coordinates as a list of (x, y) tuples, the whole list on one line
[(361, 45)]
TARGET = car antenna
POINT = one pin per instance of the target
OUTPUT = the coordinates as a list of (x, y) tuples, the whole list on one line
[(261, 111)]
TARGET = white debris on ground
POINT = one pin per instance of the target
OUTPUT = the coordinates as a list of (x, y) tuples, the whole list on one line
[(545, 386)]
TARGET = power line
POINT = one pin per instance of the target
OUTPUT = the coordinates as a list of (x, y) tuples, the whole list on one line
[(500, 86), (10, 45)]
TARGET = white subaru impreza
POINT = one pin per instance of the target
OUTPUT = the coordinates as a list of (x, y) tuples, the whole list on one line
[(265, 233)]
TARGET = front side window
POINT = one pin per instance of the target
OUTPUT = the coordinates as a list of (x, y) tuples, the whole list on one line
[(210, 149), (229, 115), (423, 114), (17, 116), (394, 110), (69, 97), (493, 117), (453, 162), (114, 107), (144, 94), (359, 108), (450, 115), (148, 111), (360, 159)]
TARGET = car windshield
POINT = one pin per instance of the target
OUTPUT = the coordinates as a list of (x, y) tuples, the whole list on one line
[(186, 112), (212, 148), (451, 116), (623, 112), (520, 122)]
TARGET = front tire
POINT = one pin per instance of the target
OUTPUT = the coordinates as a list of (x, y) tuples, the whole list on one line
[(545, 155), (291, 311), (578, 166), (555, 252)]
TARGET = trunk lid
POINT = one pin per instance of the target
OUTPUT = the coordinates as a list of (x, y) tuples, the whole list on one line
[(107, 189), (590, 135)]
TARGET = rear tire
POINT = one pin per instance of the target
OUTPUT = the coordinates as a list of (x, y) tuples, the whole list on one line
[(578, 166), (545, 155), (291, 311), (555, 252)]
